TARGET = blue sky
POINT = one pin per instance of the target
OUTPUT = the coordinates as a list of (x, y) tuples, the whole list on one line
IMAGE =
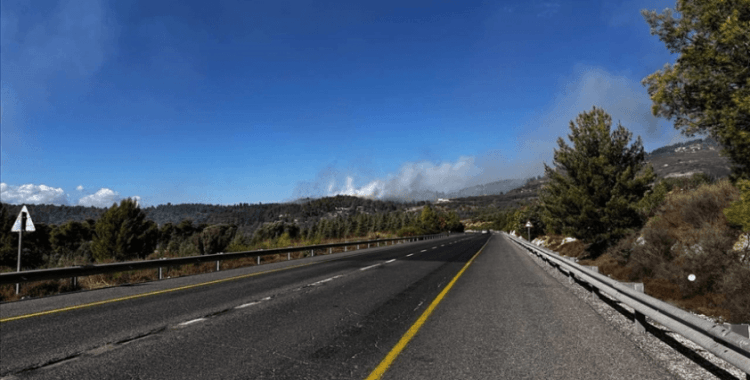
[(230, 102)]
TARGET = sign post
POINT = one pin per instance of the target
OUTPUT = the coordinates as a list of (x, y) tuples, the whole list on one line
[(23, 223), (528, 226)]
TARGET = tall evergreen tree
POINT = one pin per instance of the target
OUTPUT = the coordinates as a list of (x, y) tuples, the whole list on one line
[(707, 90), (67, 238), (123, 233), (596, 183)]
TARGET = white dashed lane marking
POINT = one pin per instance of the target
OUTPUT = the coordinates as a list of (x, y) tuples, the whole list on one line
[(193, 321), (411, 254), (390, 261), (246, 305), (370, 267), (424, 250)]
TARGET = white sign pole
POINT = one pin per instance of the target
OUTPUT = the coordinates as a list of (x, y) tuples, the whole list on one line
[(18, 267)]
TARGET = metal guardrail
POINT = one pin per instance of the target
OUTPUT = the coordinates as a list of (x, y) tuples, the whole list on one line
[(715, 338), (88, 270)]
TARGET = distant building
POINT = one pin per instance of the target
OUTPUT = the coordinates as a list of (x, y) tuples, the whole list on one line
[(443, 200)]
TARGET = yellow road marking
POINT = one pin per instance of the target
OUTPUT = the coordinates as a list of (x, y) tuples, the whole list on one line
[(150, 293), (396, 350)]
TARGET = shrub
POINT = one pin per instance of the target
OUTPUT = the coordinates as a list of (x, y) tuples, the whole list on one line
[(736, 286), (409, 231), (739, 212)]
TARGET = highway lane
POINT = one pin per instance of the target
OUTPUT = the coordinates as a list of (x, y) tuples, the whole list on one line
[(250, 327), (507, 319)]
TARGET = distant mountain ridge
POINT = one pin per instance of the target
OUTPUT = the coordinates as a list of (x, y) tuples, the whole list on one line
[(675, 160), (492, 188)]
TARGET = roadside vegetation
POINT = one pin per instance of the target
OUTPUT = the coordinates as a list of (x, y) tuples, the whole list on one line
[(686, 239), (123, 233)]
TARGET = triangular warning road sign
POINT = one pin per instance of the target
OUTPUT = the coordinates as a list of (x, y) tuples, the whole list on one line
[(18, 222)]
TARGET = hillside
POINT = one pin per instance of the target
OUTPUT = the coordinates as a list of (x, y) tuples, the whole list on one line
[(676, 160), (247, 216), (682, 159)]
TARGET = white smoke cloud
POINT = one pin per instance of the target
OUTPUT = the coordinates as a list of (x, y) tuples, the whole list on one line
[(32, 194), (626, 100), (104, 197), (413, 181)]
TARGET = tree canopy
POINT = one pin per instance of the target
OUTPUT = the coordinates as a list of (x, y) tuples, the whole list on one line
[(596, 184), (707, 90), (123, 233)]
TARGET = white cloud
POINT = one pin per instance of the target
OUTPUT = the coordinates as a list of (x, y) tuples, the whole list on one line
[(32, 194), (79, 188), (104, 197)]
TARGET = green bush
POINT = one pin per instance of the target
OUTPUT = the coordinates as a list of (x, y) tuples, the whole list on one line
[(739, 212), (409, 231)]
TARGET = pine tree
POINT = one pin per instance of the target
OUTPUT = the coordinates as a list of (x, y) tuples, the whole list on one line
[(597, 183), (707, 89), (123, 233)]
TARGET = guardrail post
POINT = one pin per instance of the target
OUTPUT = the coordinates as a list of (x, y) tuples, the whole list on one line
[(218, 263), (258, 260), (330, 250), (74, 282), (312, 253), (345, 248), (639, 320), (160, 271), (368, 245), (592, 288), (357, 247), (378, 244), (288, 256)]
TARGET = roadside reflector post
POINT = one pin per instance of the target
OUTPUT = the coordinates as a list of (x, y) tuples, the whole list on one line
[(74, 282), (378, 244), (258, 260), (312, 253), (528, 227), (288, 256), (330, 250), (218, 263), (368, 245), (357, 247), (160, 269)]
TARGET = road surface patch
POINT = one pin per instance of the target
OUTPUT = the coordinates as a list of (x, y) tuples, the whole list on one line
[(379, 371)]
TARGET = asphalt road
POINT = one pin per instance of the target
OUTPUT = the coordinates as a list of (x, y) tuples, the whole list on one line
[(336, 318)]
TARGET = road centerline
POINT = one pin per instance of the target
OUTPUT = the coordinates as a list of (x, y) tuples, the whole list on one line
[(380, 370)]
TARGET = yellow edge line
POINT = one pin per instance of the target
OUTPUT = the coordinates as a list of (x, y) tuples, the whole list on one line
[(396, 350), (151, 293)]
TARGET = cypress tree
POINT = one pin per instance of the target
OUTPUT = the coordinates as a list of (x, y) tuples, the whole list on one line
[(595, 184)]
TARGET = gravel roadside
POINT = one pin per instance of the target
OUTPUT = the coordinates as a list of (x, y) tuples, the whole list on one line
[(678, 355)]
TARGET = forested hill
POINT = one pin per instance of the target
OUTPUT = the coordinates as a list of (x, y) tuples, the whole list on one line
[(244, 214)]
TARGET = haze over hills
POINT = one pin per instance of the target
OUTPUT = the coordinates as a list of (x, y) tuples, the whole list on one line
[(682, 159), (675, 160)]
